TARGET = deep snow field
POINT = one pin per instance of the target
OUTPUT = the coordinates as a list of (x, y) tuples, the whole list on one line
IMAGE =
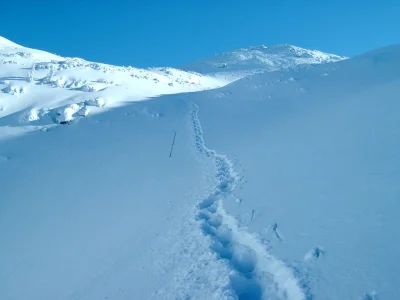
[(261, 173)]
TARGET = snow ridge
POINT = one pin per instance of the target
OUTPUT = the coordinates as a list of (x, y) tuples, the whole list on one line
[(4, 43), (42, 89), (255, 273), (240, 63)]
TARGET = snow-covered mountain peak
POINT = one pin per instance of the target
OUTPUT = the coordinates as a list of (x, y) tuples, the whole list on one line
[(4, 43), (11, 52), (40, 88), (277, 55), (255, 59)]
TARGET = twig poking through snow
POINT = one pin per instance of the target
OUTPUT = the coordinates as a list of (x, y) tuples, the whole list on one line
[(275, 230), (172, 147)]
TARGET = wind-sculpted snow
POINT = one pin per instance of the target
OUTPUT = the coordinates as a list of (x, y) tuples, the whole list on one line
[(35, 83), (256, 274)]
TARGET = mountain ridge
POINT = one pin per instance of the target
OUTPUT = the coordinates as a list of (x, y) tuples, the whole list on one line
[(36, 76), (7, 43), (242, 62)]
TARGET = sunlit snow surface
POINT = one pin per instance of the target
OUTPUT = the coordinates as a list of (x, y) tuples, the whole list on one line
[(39, 88), (240, 63), (280, 185)]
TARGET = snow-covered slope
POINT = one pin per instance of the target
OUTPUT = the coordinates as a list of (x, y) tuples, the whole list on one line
[(282, 185), (4, 43), (243, 62), (40, 88), (318, 150)]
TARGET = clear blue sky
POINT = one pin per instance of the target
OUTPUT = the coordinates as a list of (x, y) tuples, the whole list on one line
[(170, 33)]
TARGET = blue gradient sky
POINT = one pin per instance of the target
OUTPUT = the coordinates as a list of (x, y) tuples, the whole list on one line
[(171, 33)]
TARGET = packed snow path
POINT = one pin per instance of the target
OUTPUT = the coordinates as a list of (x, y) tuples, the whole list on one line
[(255, 273)]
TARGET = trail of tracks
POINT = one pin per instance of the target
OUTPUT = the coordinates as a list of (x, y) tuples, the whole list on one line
[(255, 274)]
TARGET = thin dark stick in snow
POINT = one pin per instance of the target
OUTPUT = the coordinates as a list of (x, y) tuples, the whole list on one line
[(172, 147)]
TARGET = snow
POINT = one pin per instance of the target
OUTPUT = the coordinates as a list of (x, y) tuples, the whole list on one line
[(280, 185), (252, 265), (4, 43), (322, 164), (47, 88), (240, 63)]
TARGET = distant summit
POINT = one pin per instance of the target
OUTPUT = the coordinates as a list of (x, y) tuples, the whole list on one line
[(242, 62)]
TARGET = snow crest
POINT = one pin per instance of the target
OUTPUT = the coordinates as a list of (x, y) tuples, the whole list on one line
[(255, 273), (239, 63)]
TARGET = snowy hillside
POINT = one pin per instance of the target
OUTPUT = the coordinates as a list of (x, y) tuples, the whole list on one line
[(40, 88), (318, 154), (243, 62), (282, 185)]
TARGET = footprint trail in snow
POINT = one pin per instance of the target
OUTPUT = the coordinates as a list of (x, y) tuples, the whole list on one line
[(255, 273)]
